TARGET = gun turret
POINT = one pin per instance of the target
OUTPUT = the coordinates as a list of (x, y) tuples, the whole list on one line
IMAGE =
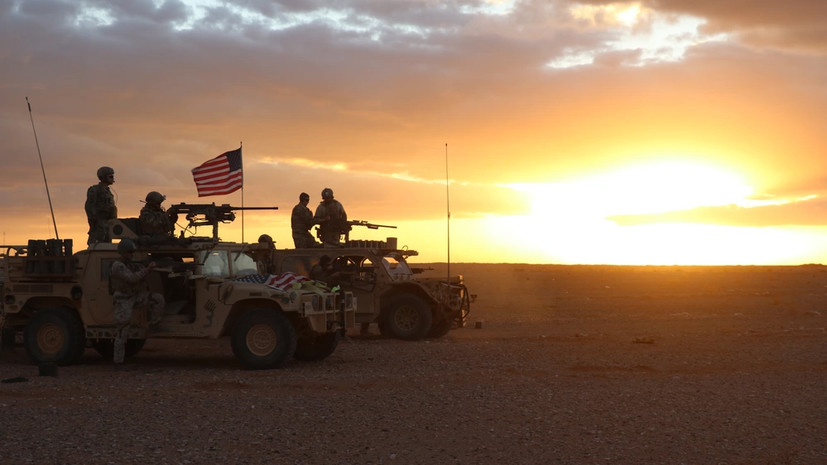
[(204, 214)]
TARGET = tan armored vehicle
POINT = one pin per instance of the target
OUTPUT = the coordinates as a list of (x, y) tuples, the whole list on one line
[(389, 292), (62, 302)]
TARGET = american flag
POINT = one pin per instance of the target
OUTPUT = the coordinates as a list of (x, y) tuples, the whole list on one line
[(219, 176), (281, 282)]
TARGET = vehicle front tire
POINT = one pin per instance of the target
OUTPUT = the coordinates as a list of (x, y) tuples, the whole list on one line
[(263, 338), (440, 328), (406, 317), (54, 335), (316, 347)]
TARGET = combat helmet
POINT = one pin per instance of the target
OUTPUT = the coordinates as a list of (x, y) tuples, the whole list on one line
[(105, 171), (155, 197), (327, 193), (126, 246)]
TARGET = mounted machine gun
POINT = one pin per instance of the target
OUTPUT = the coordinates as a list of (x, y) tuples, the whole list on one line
[(209, 214), (364, 223)]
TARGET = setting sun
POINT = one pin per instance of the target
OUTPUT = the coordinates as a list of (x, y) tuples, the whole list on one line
[(621, 217), (650, 188)]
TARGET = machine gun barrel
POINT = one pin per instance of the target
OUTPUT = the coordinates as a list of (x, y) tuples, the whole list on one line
[(369, 225), (204, 214), (184, 207)]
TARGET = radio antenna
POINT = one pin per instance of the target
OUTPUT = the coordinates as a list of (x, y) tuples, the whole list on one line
[(36, 143), (448, 208)]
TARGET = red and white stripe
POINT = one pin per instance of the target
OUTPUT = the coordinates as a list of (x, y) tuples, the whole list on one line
[(285, 280), (214, 177)]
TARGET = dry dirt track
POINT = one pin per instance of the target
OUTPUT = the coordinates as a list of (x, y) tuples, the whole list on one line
[(574, 365)]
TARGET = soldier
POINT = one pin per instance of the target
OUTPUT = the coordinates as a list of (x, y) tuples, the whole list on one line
[(155, 221), (130, 290), (301, 221), (100, 206), (325, 272), (266, 239), (331, 217), (266, 263)]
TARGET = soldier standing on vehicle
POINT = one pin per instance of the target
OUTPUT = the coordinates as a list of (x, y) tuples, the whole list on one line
[(156, 222), (301, 221), (331, 217), (130, 289), (100, 206)]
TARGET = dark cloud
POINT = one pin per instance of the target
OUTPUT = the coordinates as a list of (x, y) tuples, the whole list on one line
[(799, 25)]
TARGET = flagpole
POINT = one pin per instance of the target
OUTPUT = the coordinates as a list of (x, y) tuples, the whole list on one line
[(240, 145)]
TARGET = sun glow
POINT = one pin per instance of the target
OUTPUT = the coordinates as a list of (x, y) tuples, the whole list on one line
[(651, 188), (572, 217), (604, 242)]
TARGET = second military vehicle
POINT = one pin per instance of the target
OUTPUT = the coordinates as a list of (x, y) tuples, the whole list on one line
[(389, 292)]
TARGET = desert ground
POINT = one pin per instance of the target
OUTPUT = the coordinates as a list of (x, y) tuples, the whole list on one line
[(557, 365)]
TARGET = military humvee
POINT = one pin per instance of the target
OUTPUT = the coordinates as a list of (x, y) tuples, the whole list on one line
[(62, 302), (389, 293)]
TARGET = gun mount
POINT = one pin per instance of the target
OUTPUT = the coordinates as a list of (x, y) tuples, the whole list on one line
[(209, 214)]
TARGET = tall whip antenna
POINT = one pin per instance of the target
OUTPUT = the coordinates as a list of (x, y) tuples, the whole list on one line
[(51, 209), (448, 208)]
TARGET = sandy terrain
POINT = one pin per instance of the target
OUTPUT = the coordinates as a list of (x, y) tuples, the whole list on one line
[(571, 365)]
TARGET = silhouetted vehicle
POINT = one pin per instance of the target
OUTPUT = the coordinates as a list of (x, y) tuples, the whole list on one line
[(389, 293), (62, 301)]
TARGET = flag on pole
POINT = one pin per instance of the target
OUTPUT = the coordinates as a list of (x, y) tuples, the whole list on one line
[(219, 176)]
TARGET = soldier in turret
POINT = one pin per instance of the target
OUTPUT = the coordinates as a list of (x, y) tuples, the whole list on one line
[(100, 206), (331, 217), (156, 222)]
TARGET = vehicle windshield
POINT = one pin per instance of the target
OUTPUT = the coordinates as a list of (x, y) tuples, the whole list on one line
[(244, 264), (216, 264), (397, 267)]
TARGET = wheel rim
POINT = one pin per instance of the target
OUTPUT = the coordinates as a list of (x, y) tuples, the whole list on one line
[(50, 339), (406, 318), (261, 340)]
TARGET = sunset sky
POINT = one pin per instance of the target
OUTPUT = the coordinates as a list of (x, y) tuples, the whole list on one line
[(649, 132)]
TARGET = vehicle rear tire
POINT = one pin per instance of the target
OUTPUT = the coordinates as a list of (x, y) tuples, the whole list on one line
[(263, 338), (317, 347), (106, 347), (54, 335), (406, 317)]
